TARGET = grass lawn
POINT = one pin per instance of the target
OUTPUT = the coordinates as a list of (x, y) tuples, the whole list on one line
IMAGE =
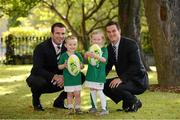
[(15, 101)]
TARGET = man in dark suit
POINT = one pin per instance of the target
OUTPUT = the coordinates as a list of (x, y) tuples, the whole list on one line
[(45, 76), (132, 77)]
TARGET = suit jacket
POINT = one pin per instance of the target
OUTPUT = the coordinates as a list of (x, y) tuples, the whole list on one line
[(129, 66), (45, 60)]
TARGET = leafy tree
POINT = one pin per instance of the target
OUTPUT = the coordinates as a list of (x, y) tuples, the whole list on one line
[(82, 16), (15, 9)]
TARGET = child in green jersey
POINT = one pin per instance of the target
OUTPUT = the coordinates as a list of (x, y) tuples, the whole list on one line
[(96, 76), (72, 84)]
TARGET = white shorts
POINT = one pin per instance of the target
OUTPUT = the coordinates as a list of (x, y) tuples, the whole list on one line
[(94, 85), (72, 88)]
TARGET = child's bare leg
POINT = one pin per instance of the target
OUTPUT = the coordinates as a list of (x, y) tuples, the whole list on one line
[(77, 95), (70, 100)]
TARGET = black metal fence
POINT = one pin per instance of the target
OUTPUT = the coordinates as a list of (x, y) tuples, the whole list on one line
[(18, 50)]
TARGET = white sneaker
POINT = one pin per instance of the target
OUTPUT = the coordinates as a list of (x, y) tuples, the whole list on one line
[(92, 110), (104, 112)]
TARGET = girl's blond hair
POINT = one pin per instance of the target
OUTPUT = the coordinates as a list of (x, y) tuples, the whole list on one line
[(97, 31)]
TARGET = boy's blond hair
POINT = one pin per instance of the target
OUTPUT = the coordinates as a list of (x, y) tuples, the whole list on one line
[(71, 38)]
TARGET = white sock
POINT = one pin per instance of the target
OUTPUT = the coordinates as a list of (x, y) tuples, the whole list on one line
[(94, 97), (70, 106), (77, 106), (102, 99)]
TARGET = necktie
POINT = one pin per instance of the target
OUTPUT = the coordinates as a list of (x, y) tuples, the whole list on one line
[(58, 52), (114, 53)]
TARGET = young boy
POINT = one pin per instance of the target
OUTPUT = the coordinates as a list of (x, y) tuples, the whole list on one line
[(72, 84)]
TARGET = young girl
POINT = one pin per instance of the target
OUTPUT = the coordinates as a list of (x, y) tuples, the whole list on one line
[(72, 84), (96, 76)]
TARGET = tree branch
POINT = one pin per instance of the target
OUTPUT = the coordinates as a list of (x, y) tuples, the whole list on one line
[(97, 21), (69, 4), (95, 9), (65, 19)]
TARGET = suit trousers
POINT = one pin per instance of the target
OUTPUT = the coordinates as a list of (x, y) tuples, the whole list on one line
[(39, 85), (126, 91)]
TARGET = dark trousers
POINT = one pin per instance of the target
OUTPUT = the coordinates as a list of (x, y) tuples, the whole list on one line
[(40, 86), (125, 91)]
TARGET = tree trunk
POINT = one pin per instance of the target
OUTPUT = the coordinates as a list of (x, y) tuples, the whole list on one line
[(164, 26), (129, 18), (83, 28)]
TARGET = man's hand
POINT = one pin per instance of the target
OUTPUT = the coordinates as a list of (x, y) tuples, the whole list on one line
[(115, 83), (58, 80)]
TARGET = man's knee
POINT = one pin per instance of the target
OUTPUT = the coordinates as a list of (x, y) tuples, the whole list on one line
[(36, 81), (28, 81)]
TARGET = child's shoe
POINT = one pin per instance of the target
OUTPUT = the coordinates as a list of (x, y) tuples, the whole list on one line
[(104, 112), (78, 111), (71, 111), (92, 110)]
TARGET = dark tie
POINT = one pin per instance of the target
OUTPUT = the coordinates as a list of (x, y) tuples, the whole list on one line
[(58, 47), (114, 53), (59, 52)]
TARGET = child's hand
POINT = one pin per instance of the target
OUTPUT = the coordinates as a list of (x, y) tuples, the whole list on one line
[(65, 64), (81, 66), (62, 66), (86, 55), (89, 54)]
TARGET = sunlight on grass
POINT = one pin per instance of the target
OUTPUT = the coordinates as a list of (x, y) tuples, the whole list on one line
[(9, 89), (27, 95), (13, 78), (153, 68), (5, 91), (152, 77), (18, 67), (16, 100), (15, 67)]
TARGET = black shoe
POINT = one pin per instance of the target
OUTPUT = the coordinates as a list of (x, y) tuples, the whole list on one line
[(59, 102), (137, 105), (124, 106), (134, 107), (38, 108), (59, 105), (36, 102)]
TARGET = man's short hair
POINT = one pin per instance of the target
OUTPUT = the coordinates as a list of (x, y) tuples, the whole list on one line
[(113, 23), (57, 25)]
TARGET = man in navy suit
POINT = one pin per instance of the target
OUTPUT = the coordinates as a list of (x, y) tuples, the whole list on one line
[(45, 76), (132, 77)]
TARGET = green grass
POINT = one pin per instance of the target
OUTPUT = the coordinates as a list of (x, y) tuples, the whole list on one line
[(15, 101)]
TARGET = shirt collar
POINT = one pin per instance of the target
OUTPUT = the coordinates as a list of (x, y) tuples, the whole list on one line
[(116, 45), (55, 45)]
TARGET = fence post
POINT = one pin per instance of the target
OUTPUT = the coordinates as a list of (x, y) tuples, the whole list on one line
[(9, 49)]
